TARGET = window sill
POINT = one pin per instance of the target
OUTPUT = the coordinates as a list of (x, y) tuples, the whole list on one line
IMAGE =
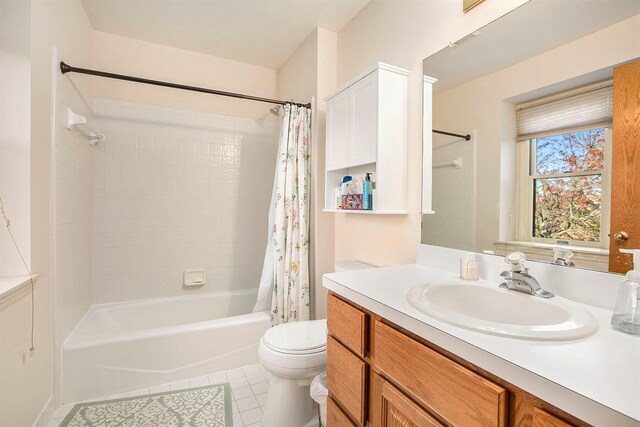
[(583, 256), (576, 249), (13, 288)]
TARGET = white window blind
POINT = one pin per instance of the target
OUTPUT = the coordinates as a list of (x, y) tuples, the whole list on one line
[(578, 108)]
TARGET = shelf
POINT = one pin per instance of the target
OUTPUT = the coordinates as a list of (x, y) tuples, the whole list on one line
[(13, 288), (369, 212)]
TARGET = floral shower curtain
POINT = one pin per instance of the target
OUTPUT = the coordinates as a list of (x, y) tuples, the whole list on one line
[(286, 267)]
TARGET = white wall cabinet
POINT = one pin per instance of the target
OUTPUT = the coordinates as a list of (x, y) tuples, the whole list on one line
[(367, 132), (338, 130)]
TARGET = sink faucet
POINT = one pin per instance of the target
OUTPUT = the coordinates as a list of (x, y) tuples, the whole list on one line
[(562, 256), (519, 279)]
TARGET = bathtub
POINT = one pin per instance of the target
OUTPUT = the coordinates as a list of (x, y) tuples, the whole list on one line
[(125, 346)]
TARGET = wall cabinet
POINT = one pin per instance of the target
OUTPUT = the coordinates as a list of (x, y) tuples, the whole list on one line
[(380, 375), (367, 132)]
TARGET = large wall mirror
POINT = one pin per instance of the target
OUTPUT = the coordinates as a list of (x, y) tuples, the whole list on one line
[(549, 95)]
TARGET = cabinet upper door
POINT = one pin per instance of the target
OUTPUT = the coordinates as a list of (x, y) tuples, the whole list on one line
[(338, 131), (363, 113)]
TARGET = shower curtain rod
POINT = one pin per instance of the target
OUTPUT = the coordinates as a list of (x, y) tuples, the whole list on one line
[(466, 137), (65, 68)]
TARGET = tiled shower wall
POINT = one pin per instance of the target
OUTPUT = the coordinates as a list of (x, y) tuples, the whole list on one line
[(454, 196), (176, 190)]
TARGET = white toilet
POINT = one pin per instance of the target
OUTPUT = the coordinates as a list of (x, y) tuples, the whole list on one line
[(294, 353)]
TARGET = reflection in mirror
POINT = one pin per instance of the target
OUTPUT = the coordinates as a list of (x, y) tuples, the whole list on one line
[(546, 93)]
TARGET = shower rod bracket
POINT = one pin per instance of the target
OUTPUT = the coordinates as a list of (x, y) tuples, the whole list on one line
[(66, 68)]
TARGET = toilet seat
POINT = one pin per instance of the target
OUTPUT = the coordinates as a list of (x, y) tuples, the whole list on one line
[(298, 338), (294, 347)]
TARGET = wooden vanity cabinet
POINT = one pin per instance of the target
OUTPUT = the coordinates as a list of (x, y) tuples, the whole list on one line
[(380, 375)]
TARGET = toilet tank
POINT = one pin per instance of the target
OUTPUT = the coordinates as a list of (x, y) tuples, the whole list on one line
[(341, 266)]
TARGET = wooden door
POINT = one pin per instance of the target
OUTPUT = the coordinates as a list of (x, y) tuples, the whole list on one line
[(363, 104), (397, 410), (625, 175), (338, 131)]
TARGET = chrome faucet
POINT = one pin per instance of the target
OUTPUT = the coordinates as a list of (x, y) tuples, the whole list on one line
[(519, 279), (562, 256)]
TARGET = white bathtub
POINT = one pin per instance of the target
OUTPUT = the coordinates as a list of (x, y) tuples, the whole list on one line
[(126, 346)]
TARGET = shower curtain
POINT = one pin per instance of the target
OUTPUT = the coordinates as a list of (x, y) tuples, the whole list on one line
[(284, 286)]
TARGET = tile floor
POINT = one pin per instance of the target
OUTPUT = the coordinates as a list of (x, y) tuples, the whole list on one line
[(249, 386)]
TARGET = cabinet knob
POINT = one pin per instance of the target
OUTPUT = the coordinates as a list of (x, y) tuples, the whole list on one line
[(621, 236)]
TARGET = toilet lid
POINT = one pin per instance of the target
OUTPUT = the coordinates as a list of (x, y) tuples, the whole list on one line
[(298, 337)]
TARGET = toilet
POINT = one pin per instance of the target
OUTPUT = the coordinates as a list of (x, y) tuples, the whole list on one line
[(294, 353)]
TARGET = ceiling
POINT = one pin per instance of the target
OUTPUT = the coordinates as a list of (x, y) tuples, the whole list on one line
[(535, 27), (260, 32)]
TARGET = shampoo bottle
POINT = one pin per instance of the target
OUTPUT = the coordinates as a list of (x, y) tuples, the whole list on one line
[(626, 313), (366, 192)]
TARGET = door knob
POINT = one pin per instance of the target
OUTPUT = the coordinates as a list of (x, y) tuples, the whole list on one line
[(621, 236)]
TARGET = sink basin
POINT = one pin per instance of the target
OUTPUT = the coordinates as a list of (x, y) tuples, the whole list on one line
[(502, 312)]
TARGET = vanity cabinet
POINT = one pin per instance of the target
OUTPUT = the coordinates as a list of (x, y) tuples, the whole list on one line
[(380, 375), (367, 132)]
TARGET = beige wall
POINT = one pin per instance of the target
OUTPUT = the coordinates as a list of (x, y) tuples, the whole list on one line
[(483, 106), (124, 55), (15, 104), (311, 73), (26, 380), (401, 33), (20, 374)]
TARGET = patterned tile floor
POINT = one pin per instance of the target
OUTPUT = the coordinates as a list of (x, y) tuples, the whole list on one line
[(249, 386)]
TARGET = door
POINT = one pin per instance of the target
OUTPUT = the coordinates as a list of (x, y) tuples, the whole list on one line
[(338, 131), (397, 410), (363, 104), (625, 170)]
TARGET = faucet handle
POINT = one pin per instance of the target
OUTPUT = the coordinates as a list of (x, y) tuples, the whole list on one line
[(516, 261), (562, 256)]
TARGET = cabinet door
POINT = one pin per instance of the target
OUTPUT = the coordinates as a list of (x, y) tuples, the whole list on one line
[(338, 131), (363, 105), (542, 418), (347, 380), (397, 410), (335, 416)]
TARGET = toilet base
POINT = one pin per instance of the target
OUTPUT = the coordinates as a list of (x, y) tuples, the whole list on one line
[(289, 404)]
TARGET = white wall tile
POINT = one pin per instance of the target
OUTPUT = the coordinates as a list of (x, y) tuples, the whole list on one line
[(176, 190)]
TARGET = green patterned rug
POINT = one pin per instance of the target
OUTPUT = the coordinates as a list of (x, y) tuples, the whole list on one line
[(208, 406)]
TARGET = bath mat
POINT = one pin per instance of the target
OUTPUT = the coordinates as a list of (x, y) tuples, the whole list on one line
[(208, 406)]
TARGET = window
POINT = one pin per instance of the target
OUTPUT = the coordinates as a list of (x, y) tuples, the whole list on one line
[(564, 173)]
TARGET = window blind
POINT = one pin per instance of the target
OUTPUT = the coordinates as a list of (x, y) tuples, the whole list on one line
[(552, 115)]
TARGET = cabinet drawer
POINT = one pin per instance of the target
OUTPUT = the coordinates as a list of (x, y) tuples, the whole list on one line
[(542, 418), (335, 416), (396, 409), (458, 395), (347, 380), (347, 324)]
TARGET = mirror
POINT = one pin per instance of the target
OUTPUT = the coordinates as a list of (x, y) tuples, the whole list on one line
[(544, 167)]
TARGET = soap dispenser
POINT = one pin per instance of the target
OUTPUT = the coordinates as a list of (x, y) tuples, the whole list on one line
[(626, 313)]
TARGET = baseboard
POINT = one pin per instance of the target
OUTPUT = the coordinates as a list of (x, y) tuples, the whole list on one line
[(46, 414)]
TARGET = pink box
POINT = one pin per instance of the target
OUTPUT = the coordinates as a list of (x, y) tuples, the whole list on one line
[(352, 202)]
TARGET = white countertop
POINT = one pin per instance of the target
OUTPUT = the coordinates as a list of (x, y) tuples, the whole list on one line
[(597, 378)]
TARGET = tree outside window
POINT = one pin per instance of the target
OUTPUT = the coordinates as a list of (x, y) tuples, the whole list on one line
[(567, 172)]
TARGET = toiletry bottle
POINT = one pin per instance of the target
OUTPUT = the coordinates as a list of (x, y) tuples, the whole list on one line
[(626, 313), (469, 267), (344, 187), (366, 192)]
